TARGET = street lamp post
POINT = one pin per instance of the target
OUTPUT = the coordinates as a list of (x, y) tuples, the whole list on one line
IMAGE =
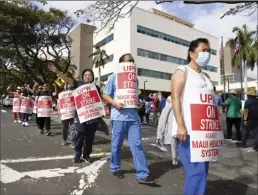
[(144, 87)]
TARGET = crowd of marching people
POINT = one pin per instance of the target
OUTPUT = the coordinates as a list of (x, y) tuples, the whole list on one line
[(190, 113)]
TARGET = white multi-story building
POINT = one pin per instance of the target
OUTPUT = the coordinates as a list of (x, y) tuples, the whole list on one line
[(159, 43)]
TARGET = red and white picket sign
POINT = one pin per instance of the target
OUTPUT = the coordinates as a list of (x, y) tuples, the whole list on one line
[(66, 105), (202, 121), (17, 104), (27, 105), (88, 103), (35, 106), (126, 85), (45, 106)]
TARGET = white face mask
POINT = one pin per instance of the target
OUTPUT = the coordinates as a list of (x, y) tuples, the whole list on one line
[(203, 58)]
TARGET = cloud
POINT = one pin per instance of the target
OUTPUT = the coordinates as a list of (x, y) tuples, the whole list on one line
[(206, 18)]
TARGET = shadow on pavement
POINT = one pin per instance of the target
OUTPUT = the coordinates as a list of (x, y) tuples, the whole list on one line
[(230, 187), (157, 169)]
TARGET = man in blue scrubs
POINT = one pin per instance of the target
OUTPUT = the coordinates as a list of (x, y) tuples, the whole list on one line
[(125, 123)]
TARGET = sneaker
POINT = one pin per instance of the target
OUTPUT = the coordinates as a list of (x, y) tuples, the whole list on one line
[(87, 159), (48, 133), (26, 124), (15, 121), (72, 145), (23, 124), (119, 174), (77, 159), (19, 121), (147, 180), (64, 143), (241, 145), (41, 131)]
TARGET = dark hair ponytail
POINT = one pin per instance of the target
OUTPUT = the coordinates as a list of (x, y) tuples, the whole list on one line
[(194, 44)]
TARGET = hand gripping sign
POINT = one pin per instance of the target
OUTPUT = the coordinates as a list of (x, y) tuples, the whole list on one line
[(45, 106), (16, 104), (88, 103), (126, 82), (27, 105), (66, 105), (203, 124)]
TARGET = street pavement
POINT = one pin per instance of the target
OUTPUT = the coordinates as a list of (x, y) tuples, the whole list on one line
[(36, 164)]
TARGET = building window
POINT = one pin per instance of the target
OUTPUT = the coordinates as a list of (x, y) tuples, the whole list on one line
[(105, 40), (166, 37), (171, 59), (161, 57), (154, 74)]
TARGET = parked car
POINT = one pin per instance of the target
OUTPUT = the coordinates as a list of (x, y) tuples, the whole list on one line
[(8, 100)]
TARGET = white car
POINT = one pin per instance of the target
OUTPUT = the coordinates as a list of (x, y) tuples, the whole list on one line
[(8, 101)]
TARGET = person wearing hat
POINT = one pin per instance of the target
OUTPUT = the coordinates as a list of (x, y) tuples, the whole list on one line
[(233, 105), (250, 119)]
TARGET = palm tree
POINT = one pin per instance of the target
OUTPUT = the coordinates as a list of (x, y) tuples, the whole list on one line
[(100, 59), (247, 55)]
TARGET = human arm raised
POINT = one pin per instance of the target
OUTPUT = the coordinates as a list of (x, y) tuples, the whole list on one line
[(53, 68)]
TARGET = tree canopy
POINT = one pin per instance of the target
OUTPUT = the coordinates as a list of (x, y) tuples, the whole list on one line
[(30, 37), (107, 13)]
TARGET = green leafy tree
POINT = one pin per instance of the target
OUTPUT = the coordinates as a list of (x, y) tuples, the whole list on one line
[(247, 55), (30, 37), (100, 58)]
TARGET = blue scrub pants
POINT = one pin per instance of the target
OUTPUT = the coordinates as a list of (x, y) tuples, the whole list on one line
[(195, 173), (132, 130)]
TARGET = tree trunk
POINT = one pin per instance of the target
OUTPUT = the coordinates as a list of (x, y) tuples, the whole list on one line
[(99, 80), (245, 80)]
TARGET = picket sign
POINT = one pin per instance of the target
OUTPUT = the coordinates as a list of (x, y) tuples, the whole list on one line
[(27, 105), (203, 124), (17, 104), (66, 105), (126, 85), (45, 106), (88, 103)]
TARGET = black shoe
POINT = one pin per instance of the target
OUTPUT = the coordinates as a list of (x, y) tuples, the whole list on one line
[(48, 133), (119, 174), (255, 148), (241, 145), (77, 159), (147, 180), (41, 131), (87, 159)]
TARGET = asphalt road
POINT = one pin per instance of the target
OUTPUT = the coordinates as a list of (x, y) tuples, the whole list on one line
[(36, 164)]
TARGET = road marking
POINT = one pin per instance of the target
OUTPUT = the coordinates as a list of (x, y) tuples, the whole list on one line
[(9, 175), (91, 173), (3, 110), (50, 172), (34, 159)]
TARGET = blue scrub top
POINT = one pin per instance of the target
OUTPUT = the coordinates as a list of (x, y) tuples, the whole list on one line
[(127, 114)]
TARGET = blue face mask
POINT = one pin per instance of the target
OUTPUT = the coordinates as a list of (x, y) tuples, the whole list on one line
[(203, 58)]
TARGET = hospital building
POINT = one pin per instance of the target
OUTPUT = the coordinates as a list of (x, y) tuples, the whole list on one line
[(158, 42)]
